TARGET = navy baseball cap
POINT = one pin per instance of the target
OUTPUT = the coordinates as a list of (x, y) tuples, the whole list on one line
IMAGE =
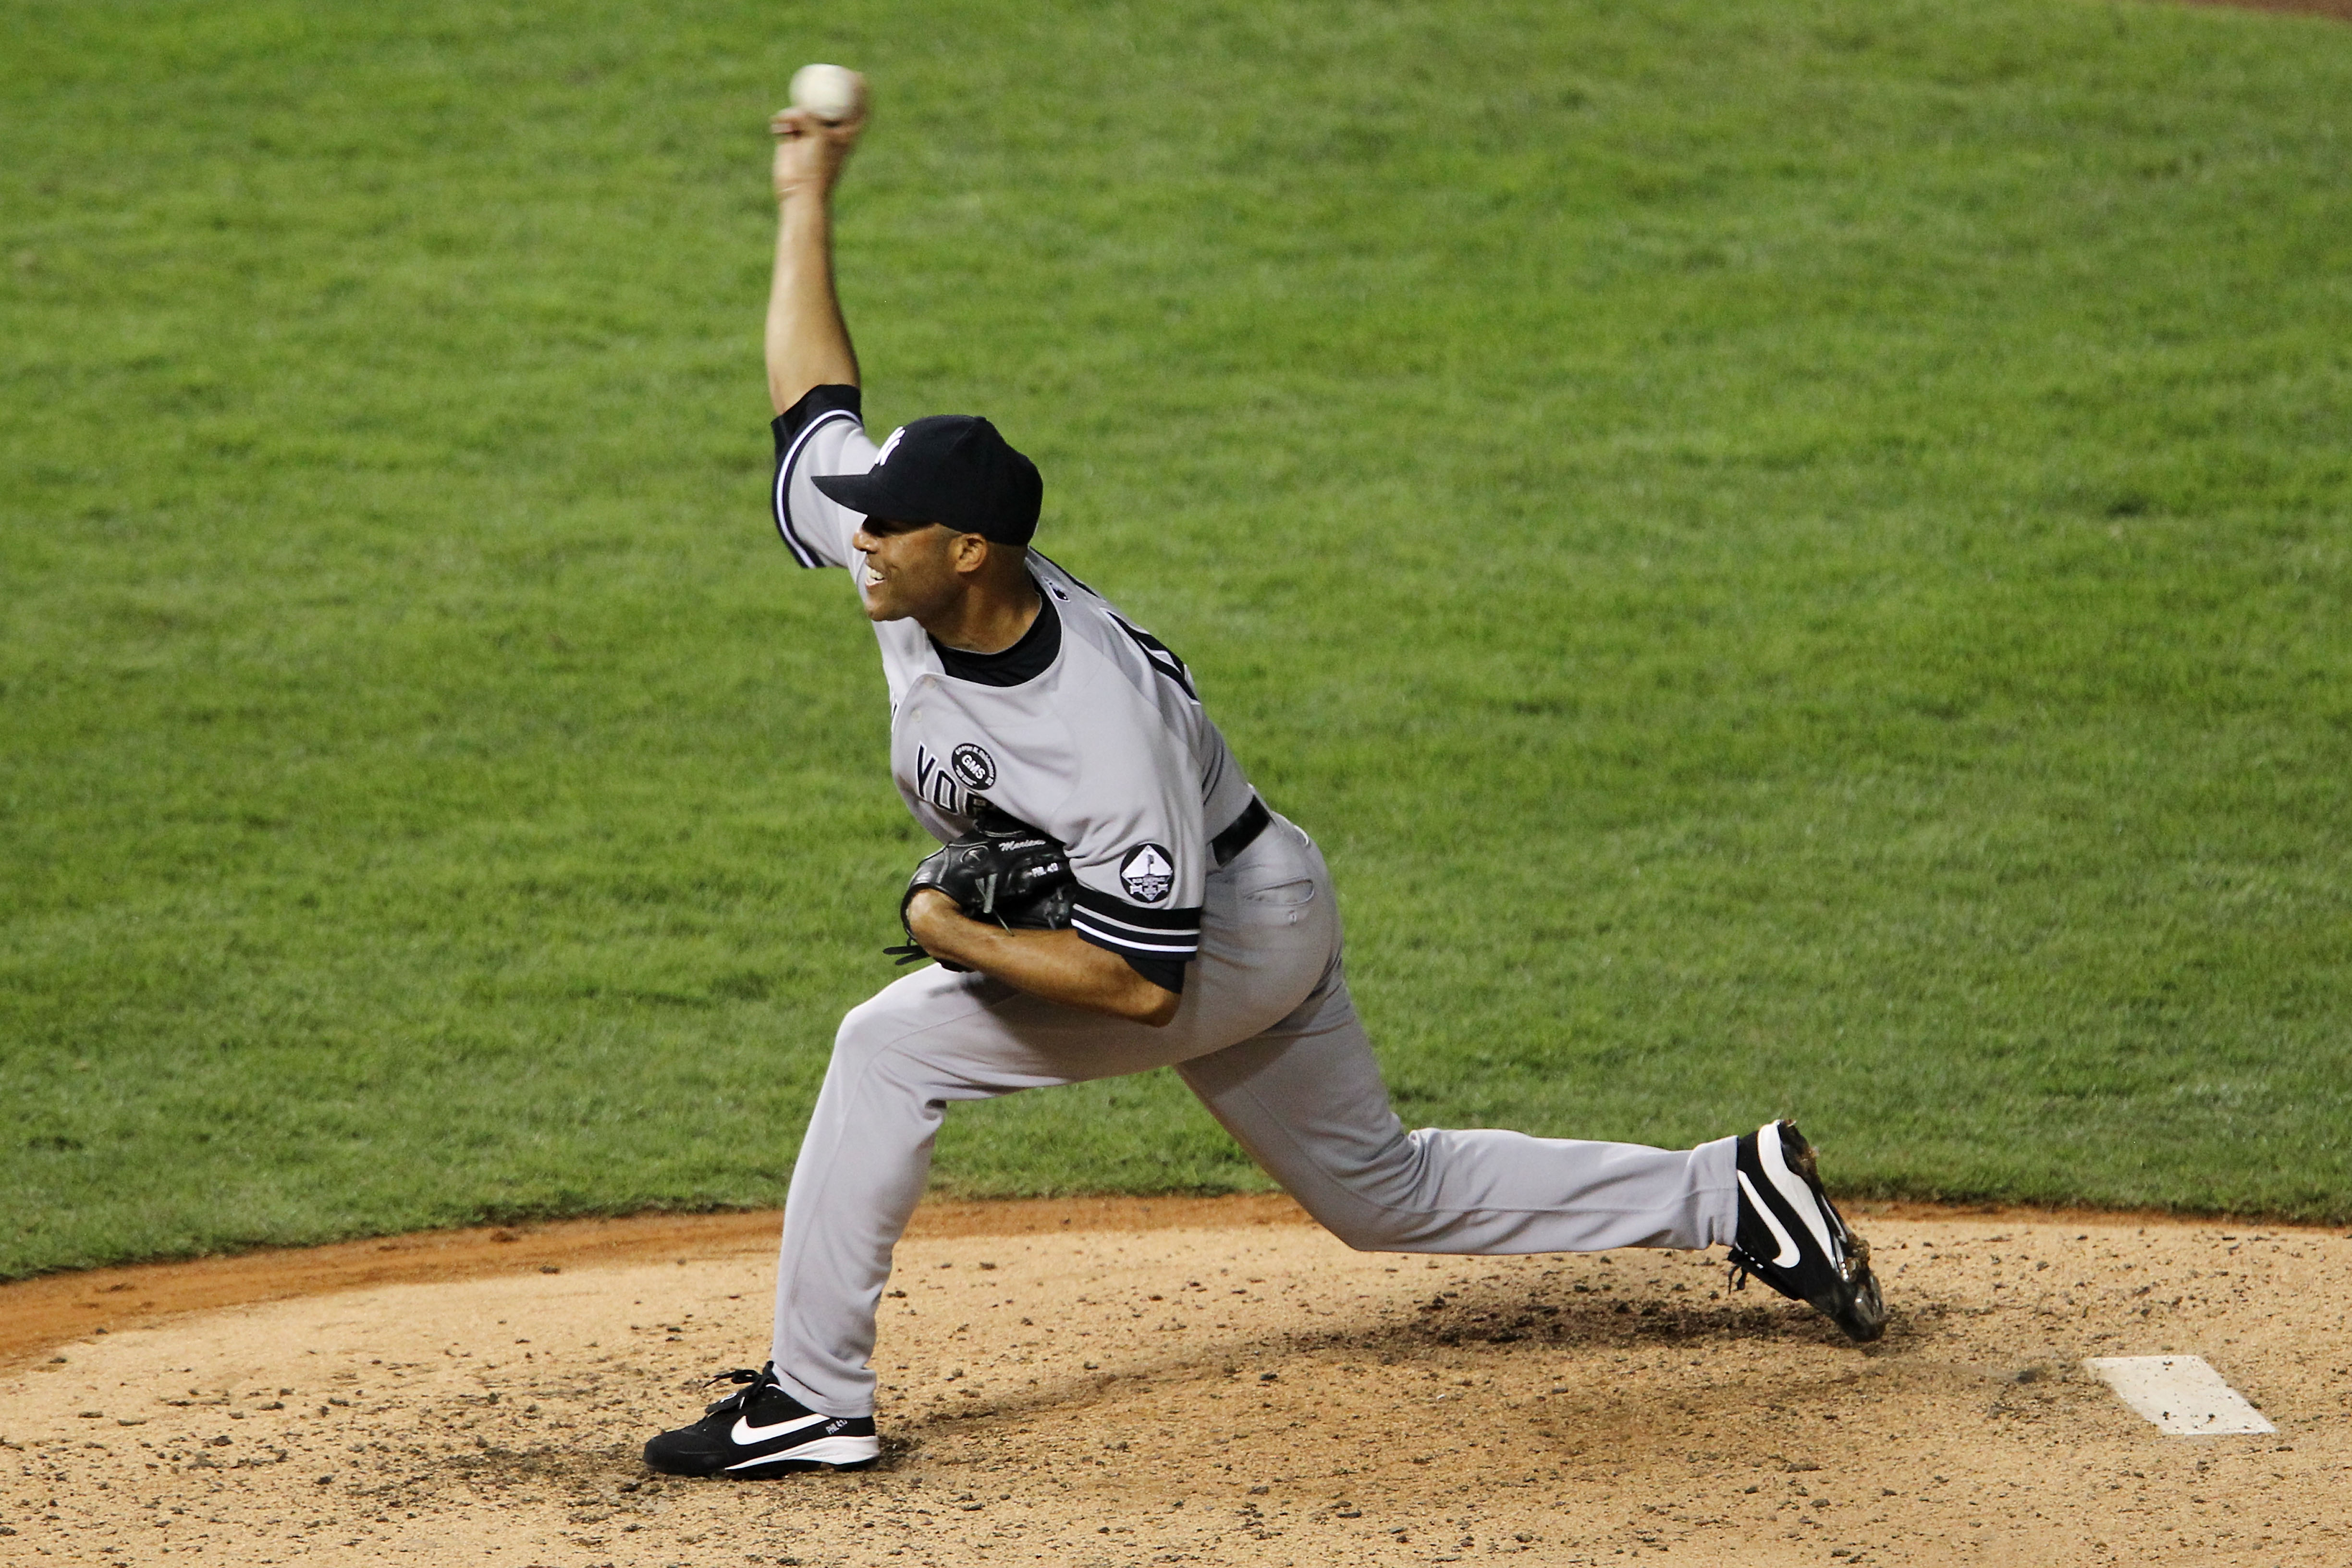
[(954, 470)]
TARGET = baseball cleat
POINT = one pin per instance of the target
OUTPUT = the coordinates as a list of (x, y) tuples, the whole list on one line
[(761, 1430), (1792, 1237)]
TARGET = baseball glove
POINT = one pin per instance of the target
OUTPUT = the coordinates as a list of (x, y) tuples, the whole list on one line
[(1003, 870)]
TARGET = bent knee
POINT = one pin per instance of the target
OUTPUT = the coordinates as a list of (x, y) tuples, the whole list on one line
[(1375, 1203), (883, 1024), (871, 1027), (1366, 1228), (1369, 1227), (1370, 1236)]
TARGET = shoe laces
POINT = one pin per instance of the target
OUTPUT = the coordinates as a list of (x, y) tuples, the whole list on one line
[(748, 1384)]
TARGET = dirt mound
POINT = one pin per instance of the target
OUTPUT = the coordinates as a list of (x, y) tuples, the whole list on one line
[(36, 1314), (1177, 1388)]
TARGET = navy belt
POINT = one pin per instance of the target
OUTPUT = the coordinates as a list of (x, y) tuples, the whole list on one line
[(1244, 832)]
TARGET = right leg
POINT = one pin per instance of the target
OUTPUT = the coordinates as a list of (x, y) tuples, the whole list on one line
[(899, 1059), (1307, 1100)]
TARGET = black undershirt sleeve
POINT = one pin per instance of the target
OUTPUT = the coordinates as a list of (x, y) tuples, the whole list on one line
[(1168, 974), (815, 401), (1156, 943)]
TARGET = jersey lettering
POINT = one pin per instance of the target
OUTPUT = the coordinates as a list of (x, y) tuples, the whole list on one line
[(1163, 658), (938, 784), (1065, 572)]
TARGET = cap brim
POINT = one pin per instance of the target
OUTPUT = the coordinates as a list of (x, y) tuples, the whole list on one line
[(869, 493)]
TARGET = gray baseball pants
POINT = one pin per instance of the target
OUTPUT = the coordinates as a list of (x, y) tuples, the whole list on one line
[(1268, 1039)]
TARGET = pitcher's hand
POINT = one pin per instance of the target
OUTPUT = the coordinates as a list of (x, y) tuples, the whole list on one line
[(810, 152)]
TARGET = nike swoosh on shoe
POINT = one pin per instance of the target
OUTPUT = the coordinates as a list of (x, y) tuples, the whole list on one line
[(746, 1433), (1789, 1253), (1792, 1186)]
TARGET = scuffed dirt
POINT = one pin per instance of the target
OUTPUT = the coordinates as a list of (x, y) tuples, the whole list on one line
[(1248, 1394)]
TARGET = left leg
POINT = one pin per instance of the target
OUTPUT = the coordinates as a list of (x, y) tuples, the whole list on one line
[(1307, 1100)]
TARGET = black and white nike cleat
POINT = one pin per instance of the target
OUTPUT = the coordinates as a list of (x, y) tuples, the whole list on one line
[(1792, 1238), (761, 1430)]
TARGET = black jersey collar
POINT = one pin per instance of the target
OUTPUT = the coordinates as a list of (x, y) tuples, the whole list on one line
[(1024, 660)]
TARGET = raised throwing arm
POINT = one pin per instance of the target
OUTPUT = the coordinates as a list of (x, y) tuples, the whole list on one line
[(807, 341)]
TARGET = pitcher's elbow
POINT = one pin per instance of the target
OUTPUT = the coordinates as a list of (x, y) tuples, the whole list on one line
[(1154, 1006)]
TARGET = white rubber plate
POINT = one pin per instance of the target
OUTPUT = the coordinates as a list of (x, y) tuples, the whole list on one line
[(2181, 1394)]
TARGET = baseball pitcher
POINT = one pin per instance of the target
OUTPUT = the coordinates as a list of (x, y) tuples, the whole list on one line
[(1111, 895)]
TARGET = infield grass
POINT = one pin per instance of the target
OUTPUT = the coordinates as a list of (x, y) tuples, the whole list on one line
[(1798, 557)]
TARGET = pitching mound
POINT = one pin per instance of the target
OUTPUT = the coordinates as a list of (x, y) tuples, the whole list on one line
[(1204, 1382)]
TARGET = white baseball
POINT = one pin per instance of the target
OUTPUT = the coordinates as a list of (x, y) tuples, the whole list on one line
[(831, 93)]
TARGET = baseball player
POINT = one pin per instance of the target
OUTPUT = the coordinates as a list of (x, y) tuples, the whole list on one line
[(1201, 931)]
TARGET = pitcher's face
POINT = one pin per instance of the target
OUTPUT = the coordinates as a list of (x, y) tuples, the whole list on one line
[(911, 568)]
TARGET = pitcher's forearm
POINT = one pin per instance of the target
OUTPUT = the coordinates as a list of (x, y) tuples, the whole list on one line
[(1054, 965), (807, 341), (1063, 967)]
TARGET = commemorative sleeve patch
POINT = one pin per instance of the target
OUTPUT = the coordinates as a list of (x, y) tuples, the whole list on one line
[(1147, 873), (974, 765)]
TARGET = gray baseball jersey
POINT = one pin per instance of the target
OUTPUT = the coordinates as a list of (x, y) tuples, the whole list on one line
[(1103, 742)]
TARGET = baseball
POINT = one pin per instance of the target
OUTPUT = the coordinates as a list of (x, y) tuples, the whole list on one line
[(831, 93)]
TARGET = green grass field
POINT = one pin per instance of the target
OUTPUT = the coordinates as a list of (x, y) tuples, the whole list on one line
[(1797, 556)]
